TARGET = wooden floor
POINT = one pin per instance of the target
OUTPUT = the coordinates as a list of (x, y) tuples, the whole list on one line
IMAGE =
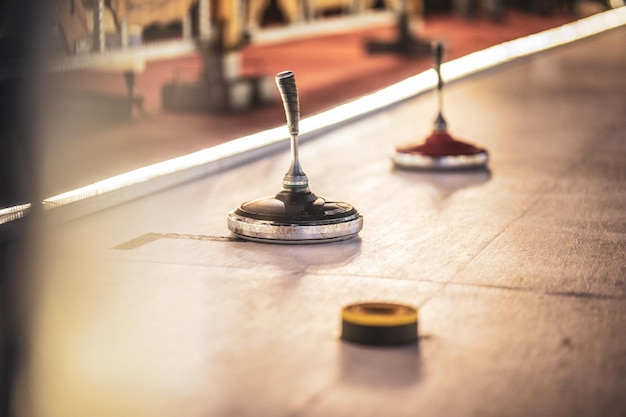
[(153, 309)]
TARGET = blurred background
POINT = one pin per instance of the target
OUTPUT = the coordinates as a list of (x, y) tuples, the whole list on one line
[(133, 82)]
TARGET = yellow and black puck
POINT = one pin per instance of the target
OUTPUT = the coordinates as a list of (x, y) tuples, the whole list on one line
[(379, 324)]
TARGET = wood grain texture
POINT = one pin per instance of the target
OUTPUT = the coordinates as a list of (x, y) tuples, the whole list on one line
[(519, 272)]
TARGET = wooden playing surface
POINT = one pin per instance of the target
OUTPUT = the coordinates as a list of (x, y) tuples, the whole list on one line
[(152, 308)]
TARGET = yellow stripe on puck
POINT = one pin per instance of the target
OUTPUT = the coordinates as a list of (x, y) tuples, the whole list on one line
[(379, 314)]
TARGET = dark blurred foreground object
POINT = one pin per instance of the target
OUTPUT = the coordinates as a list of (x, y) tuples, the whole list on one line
[(22, 47), (440, 151)]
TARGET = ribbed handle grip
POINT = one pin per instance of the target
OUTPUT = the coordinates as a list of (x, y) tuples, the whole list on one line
[(286, 83)]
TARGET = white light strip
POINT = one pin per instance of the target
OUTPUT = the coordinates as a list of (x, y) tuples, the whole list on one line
[(13, 213), (172, 166), (251, 147), (528, 45)]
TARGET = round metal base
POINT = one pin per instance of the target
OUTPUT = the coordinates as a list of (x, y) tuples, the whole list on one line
[(283, 219), (440, 152)]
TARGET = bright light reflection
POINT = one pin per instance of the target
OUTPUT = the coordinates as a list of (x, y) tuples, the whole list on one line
[(251, 147), (13, 213)]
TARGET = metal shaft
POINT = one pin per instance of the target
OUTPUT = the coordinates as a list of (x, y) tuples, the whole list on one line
[(440, 122), (295, 179)]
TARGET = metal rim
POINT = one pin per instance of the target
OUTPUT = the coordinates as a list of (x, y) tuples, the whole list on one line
[(443, 163), (277, 232)]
